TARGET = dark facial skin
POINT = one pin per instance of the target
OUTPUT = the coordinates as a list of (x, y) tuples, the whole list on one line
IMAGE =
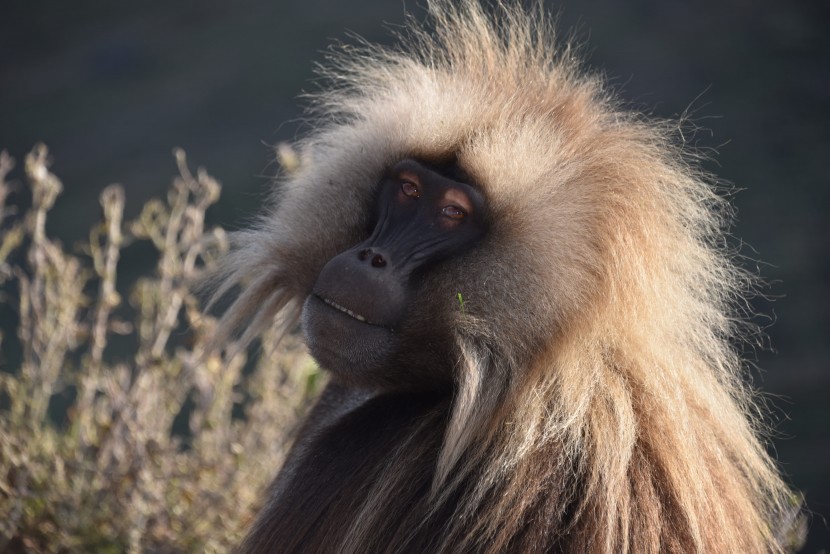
[(357, 317)]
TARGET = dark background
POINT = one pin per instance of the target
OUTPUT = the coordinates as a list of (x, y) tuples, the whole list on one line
[(113, 87)]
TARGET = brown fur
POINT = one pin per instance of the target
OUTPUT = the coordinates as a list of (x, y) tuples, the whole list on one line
[(598, 403)]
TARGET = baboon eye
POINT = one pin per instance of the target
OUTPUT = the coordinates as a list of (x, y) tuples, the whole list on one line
[(410, 189), (453, 212)]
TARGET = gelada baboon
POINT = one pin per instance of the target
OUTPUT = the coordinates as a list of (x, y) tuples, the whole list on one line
[(520, 292)]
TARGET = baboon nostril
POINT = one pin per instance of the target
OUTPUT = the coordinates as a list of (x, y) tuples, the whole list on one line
[(378, 261)]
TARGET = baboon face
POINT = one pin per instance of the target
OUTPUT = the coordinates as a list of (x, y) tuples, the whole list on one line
[(362, 314)]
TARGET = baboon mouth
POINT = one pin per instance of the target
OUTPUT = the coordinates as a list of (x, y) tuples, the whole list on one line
[(343, 309), (354, 315)]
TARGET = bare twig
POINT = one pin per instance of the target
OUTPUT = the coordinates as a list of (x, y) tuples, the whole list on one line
[(121, 452)]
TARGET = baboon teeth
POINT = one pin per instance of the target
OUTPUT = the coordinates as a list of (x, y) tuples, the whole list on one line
[(343, 309)]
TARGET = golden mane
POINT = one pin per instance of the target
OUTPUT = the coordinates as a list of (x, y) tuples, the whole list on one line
[(615, 417)]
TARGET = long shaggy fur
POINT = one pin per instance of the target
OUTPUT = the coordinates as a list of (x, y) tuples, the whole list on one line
[(599, 404)]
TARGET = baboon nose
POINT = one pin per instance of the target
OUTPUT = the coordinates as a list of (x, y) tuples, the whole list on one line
[(376, 259)]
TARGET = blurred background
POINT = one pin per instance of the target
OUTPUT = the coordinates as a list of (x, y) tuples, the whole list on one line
[(111, 88)]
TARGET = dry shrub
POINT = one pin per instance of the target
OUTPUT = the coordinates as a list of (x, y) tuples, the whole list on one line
[(110, 475)]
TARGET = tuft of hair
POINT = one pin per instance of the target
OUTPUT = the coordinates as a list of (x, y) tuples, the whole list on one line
[(600, 402)]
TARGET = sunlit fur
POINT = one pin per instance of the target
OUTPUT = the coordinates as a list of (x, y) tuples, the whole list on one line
[(600, 404)]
